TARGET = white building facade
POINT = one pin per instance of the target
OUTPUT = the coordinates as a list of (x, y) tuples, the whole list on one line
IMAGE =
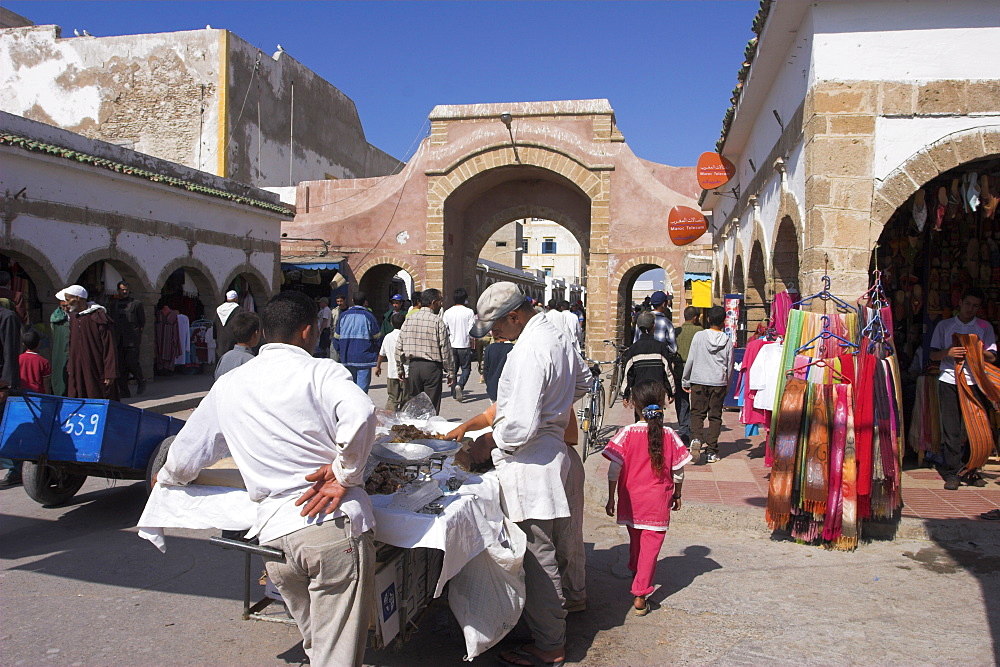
[(844, 113)]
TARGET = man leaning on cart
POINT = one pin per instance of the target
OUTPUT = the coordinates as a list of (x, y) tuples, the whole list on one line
[(300, 432)]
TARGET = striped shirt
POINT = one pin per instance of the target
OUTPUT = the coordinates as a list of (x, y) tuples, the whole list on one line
[(425, 336)]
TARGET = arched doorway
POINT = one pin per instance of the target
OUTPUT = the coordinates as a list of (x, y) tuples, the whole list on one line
[(756, 301), (485, 203), (726, 284), (380, 282), (785, 257), (101, 278), (938, 243), (187, 300), (251, 291), (32, 281), (632, 285)]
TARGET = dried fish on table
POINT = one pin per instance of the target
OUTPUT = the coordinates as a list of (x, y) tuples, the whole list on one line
[(386, 478), (407, 433)]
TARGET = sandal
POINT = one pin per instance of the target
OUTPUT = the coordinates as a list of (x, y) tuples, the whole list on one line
[(973, 479), (641, 611), (992, 515)]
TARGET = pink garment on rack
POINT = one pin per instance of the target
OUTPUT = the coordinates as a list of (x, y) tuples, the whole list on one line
[(780, 307), (750, 414)]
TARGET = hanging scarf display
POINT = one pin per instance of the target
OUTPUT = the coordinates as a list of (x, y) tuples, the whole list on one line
[(837, 432)]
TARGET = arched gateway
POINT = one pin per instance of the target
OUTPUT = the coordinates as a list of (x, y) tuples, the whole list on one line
[(469, 178)]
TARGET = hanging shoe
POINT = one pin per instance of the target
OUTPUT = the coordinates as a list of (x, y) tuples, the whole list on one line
[(919, 210)]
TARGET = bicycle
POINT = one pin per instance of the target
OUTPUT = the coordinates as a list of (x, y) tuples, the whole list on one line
[(592, 414)]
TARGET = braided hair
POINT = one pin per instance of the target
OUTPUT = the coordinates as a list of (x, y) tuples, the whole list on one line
[(651, 394)]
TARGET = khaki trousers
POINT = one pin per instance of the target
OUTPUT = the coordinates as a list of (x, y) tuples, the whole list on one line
[(569, 536), (543, 604), (327, 582)]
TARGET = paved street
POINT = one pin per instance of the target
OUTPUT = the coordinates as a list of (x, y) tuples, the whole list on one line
[(729, 594)]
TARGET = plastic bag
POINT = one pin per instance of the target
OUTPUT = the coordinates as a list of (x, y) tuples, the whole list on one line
[(487, 595), (417, 409)]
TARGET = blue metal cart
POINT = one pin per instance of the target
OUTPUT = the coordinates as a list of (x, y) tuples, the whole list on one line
[(62, 441)]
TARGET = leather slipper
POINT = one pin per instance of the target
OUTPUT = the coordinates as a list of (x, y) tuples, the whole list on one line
[(992, 515)]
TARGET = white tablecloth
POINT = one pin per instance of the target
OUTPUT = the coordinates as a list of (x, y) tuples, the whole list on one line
[(471, 519)]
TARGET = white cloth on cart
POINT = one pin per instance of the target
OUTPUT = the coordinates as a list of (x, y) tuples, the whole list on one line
[(471, 521)]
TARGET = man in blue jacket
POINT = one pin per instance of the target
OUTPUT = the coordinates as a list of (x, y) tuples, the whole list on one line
[(356, 341)]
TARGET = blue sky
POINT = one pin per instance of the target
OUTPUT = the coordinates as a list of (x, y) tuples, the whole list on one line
[(667, 67)]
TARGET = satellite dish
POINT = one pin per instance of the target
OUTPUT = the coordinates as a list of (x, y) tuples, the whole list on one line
[(685, 225), (714, 170)]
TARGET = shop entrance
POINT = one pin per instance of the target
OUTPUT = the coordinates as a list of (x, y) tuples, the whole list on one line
[(935, 246), (943, 240), (181, 322)]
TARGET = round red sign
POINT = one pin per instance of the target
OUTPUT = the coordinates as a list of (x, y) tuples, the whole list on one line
[(714, 170), (686, 225)]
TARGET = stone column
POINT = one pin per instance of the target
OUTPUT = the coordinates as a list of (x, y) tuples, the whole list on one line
[(601, 303), (839, 123)]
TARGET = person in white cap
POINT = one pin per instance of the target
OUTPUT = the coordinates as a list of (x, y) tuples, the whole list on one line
[(92, 366), (541, 379), (224, 339)]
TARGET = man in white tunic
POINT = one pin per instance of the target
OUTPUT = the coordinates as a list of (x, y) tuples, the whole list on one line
[(300, 432), (542, 378)]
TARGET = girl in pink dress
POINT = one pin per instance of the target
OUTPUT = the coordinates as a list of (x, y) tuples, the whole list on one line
[(647, 469)]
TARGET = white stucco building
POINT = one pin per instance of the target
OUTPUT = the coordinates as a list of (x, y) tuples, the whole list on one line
[(77, 210), (845, 114)]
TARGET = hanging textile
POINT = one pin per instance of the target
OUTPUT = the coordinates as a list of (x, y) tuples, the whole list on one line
[(974, 413), (837, 429), (701, 293), (166, 338), (184, 338)]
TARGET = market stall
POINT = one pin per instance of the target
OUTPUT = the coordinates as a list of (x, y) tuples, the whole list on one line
[(434, 521)]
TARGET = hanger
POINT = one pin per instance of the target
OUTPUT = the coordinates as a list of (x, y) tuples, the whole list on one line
[(826, 295), (820, 363), (791, 288), (876, 296), (824, 336)]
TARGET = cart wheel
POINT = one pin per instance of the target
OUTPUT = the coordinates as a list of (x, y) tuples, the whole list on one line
[(156, 461), (50, 485)]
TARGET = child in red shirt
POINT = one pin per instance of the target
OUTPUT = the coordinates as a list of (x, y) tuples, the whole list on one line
[(36, 371)]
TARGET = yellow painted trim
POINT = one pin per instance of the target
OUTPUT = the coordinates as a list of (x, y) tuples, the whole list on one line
[(223, 103)]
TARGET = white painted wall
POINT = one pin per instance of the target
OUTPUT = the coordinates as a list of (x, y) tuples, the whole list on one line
[(898, 139), (916, 40), (58, 180)]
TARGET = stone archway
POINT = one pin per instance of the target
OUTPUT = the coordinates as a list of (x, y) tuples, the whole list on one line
[(566, 160), (377, 279), (785, 256), (208, 293), (254, 280), (757, 298), (726, 285), (123, 262), (739, 277), (624, 280), (43, 280)]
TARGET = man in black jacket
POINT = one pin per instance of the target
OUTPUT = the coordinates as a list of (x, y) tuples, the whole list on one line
[(648, 359), (130, 320)]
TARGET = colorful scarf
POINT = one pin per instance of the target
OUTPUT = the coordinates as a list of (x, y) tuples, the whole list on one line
[(835, 496), (977, 421), (815, 480), (849, 520), (786, 436)]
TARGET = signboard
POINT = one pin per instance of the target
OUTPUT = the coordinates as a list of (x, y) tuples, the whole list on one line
[(686, 225), (714, 170)]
